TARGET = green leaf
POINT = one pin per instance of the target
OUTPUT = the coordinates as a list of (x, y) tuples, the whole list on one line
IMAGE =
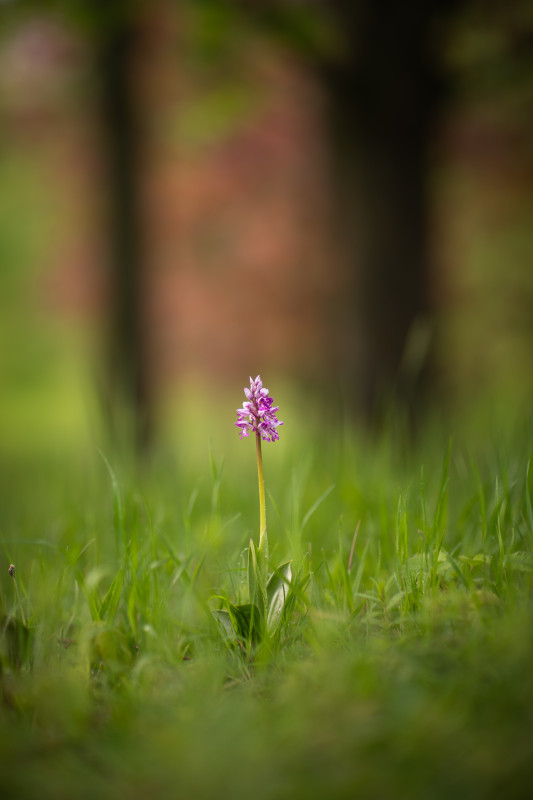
[(246, 620), (133, 611), (360, 568), (277, 590), (528, 501), (457, 570), (223, 618), (519, 562), (109, 606), (394, 601), (262, 555), (479, 560), (441, 511), (89, 594), (414, 567), (241, 622), (315, 505), (118, 512), (345, 575), (16, 643)]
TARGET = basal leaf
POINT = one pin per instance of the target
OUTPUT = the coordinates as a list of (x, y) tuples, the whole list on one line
[(223, 618), (246, 620), (277, 591)]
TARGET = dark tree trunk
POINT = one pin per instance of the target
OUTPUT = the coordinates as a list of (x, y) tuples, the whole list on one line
[(383, 95), (129, 396)]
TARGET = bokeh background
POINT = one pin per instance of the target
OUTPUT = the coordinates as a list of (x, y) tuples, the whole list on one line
[(337, 195)]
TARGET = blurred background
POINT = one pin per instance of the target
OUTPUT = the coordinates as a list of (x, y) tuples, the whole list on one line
[(336, 194)]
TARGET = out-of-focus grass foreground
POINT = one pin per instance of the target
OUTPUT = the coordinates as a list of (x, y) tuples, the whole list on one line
[(340, 199)]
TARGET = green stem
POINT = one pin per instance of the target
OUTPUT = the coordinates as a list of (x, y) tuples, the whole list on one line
[(262, 507)]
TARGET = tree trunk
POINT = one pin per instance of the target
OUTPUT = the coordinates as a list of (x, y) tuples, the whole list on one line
[(129, 397), (383, 101)]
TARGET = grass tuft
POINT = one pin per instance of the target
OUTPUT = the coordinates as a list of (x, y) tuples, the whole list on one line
[(390, 654)]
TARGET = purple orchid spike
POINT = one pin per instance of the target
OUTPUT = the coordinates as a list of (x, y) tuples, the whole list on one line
[(257, 413)]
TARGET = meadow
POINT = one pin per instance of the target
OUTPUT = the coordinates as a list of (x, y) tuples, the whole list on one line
[(400, 666)]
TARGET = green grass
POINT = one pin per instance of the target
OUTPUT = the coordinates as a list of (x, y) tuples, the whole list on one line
[(403, 670)]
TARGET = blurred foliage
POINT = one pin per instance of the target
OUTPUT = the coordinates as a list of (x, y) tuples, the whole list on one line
[(414, 651), (483, 285), (489, 51)]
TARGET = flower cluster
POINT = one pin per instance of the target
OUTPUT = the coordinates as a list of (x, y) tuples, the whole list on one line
[(257, 413)]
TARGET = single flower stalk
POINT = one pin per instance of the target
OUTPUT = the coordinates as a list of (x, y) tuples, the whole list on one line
[(258, 415)]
